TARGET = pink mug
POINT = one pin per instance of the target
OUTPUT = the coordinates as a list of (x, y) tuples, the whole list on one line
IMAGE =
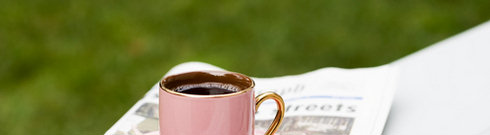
[(212, 114)]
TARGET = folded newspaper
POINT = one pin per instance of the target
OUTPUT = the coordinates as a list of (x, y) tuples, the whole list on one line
[(327, 101)]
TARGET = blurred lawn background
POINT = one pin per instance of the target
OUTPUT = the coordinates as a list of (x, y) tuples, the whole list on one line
[(76, 66)]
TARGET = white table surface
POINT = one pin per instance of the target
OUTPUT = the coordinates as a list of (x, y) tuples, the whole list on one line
[(445, 89)]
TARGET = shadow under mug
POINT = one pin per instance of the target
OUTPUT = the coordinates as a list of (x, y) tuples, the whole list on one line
[(220, 114)]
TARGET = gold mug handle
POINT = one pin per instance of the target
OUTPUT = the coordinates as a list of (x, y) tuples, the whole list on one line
[(280, 109)]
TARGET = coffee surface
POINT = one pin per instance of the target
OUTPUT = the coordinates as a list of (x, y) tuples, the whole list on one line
[(208, 88), (206, 91)]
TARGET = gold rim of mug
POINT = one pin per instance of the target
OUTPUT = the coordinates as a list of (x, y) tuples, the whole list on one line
[(207, 96)]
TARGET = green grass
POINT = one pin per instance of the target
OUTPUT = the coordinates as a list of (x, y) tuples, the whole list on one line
[(75, 67)]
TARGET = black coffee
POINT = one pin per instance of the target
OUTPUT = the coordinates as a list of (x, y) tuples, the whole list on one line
[(206, 91), (207, 83)]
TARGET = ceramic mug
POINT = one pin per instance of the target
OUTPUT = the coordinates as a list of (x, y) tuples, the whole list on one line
[(215, 114)]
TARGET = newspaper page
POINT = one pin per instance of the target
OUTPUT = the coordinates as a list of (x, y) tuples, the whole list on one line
[(327, 101)]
